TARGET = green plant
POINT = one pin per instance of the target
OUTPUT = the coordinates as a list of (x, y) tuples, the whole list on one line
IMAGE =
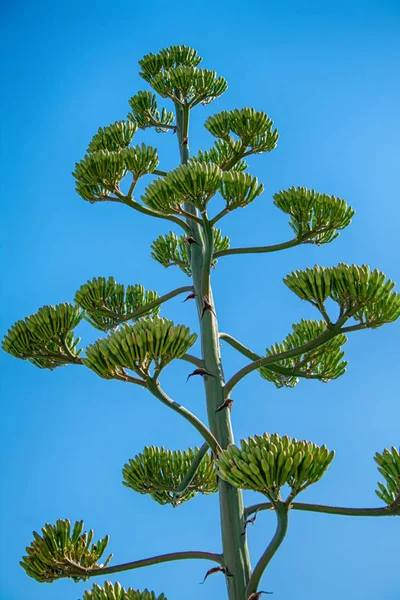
[(140, 344)]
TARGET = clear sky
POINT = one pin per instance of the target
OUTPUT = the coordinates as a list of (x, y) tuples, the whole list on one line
[(327, 73)]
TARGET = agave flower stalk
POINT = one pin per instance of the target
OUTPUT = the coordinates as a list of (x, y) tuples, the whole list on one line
[(235, 550), (138, 344)]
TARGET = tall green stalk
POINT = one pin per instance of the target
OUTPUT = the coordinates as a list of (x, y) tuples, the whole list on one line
[(138, 351), (235, 551)]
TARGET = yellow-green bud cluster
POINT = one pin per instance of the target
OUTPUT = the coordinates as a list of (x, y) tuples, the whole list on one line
[(253, 127), (116, 136), (222, 154), (62, 551), (266, 463), (174, 69), (159, 196), (140, 160), (108, 304), (46, 337), (239, 189), (195, 183), (117, 592), (104, 167), (145, 112), (389, 466), (363, 293), (194, 85), (167, 58), (171, 249), (324, 363), (159, 472), (316, 216), (136, 346), (101, 172)]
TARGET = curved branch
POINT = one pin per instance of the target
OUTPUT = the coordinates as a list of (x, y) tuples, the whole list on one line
[(197, 362), (63, 358), (147, 211), (214, 220), (187, 480), (190, 216), (384, 511), (282, 514), (136, 314), (160, 300), (297, 241), (156, 390), (327, 335), (259, 249), (253, 356), (155, 560)]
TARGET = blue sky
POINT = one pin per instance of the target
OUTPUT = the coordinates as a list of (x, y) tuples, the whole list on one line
[(327, 74)]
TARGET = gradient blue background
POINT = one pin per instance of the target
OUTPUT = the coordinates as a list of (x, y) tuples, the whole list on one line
[(328, 75)]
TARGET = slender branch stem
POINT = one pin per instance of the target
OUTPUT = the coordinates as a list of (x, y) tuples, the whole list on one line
[(214, 220), (146, 307), (300, 239), (158, 172), (148, 211), (327, 335), (187, 480), (253, 356), (156, 390), (258, 249), (155, 123), (156, 560), (384, 511), (358, 327), (73, 360), (190, 216), (132, 187), (130, 379), (197, 362), (282, 514), (160, 300), (238, 156)]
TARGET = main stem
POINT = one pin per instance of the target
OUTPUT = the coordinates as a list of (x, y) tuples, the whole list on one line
[(235, 552)]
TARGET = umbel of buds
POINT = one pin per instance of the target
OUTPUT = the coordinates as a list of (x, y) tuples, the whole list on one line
[(389, 466), (137, 346), (117, 592), (63, 552), (266, 463), (107, 303), (46, 338), (160, 472)]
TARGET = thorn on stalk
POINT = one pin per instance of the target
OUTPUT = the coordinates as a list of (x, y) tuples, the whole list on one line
[(226, 404), (207, 306), (174, 130), (257, 595), (190, 240), (201, 372), (248, 522), (190, 297), (217, 570), (185, 142)]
